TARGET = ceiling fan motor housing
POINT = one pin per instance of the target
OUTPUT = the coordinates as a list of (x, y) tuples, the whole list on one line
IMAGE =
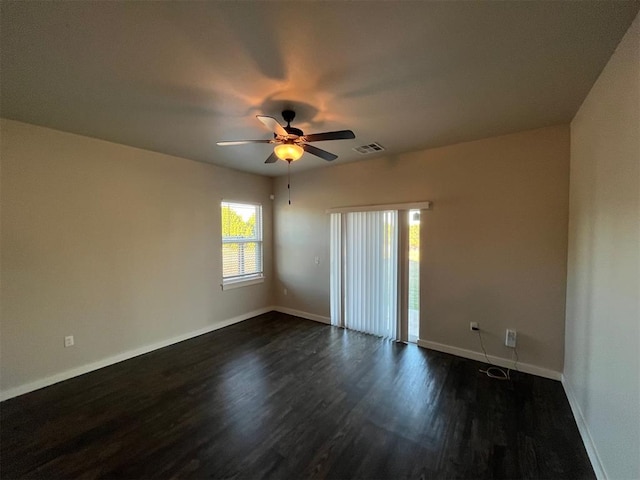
[(294, 131)]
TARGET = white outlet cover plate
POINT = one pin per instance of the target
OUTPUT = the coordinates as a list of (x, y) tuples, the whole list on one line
[(510, 338)]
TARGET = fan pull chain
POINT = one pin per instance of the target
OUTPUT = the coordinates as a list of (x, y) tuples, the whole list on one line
[(289, 179)]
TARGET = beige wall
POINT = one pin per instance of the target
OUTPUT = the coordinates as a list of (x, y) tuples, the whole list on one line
[(602, 356), (117, 246), (495, 241), (120, 246)]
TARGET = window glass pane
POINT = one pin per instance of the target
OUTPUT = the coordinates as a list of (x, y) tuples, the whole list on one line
[(241, 221), (241, 240), (241, 259)]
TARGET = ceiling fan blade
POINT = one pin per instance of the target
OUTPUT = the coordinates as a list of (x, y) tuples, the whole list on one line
[(318, 152), (339, 135), (240, 142), (272, 124), (272, 158)]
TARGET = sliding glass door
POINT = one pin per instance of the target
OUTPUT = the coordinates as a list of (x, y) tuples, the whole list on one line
[(365, 272), (375, 272)]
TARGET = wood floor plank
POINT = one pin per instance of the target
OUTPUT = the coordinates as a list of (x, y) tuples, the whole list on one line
[(281, 397)]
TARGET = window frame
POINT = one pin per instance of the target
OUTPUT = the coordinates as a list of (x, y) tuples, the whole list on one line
[(243, 280)]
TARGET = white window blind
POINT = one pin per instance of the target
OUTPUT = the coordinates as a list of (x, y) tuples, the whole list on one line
[(241, 242), (367, 271)]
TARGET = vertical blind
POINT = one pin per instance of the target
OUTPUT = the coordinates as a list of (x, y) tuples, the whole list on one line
[(241, 241), (336, 269), (366, 254)]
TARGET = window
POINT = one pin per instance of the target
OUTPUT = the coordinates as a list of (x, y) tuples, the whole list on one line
[(241, 244)]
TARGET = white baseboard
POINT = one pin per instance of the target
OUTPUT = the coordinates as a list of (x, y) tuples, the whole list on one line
[(299, 313), (105, 362), (499, 361), (589, 444)]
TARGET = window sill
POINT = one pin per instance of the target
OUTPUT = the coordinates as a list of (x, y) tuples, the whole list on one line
[(245, 282)]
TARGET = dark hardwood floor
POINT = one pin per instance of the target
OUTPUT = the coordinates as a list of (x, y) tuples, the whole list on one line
[(281, 397)]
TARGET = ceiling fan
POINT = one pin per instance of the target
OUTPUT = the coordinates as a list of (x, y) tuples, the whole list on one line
[(290, 142)]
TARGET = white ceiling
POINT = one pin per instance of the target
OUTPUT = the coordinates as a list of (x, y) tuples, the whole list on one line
[(177, 77)]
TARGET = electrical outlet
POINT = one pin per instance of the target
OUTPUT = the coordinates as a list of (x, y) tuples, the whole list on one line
[(317, 260), (473, 326), (510, 338), (286, 292), (68, 341)]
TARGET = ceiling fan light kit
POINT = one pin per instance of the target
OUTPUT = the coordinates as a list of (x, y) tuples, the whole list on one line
[(289, 152)]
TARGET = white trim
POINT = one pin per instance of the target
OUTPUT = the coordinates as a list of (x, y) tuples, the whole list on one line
[(241, 282), (105, 362), (300, 313), (241, 202), (499, 361), (589, 444), (381, 208)]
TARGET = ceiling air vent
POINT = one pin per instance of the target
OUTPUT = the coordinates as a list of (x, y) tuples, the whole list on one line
[(369, 148)]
